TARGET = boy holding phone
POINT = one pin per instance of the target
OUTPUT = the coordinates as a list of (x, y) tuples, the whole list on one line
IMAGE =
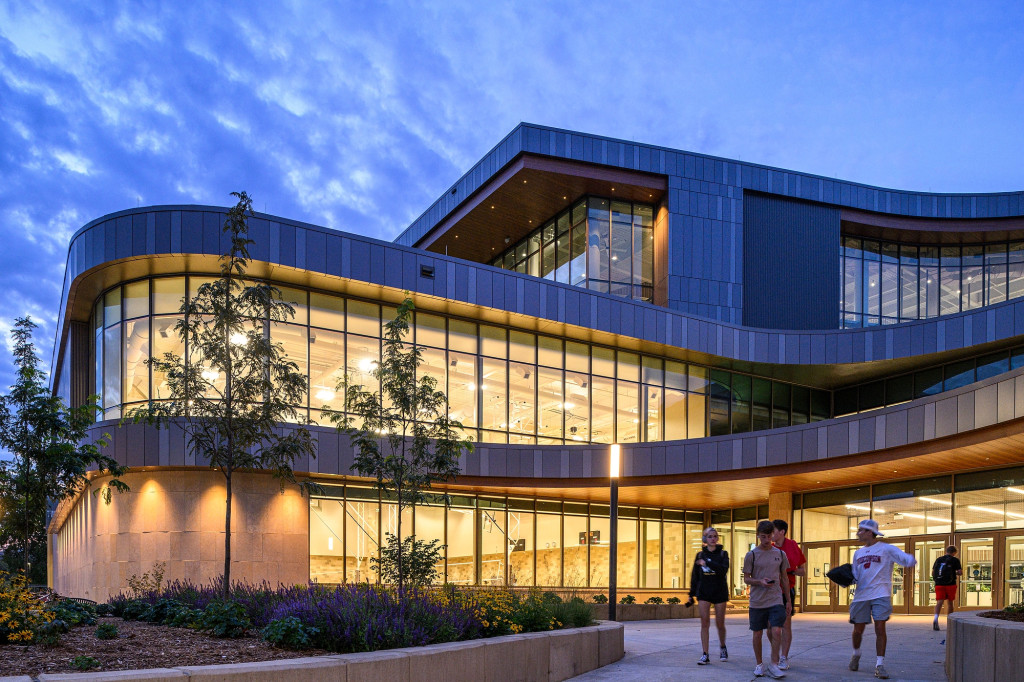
[(764, 569)]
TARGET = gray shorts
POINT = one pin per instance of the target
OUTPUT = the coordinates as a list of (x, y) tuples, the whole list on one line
[(865, 611)]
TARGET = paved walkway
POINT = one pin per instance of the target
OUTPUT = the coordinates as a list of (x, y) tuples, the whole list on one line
[(659, 650)]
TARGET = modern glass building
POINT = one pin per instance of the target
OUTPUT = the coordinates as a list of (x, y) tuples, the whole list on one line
[(763, 343)]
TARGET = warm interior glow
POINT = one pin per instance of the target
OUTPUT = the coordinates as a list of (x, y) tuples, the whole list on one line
[(239, 339)]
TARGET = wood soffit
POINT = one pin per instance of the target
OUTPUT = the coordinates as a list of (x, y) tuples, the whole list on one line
[(525, 194)]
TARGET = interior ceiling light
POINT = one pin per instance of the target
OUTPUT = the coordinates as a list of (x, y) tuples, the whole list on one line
[(935, 501), (1015, 490)]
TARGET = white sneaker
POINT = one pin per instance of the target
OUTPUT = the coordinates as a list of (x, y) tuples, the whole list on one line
[(783, 663), (773, 671), (758, 670)]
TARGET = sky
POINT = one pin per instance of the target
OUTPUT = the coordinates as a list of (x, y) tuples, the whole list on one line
[(358, 115)]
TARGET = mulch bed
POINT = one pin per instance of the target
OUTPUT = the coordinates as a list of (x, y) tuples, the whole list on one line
[(139, 645), (1003, 615)]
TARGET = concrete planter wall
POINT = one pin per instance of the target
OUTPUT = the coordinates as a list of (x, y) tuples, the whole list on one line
[(983, 649), (537, 656), (629, 612)]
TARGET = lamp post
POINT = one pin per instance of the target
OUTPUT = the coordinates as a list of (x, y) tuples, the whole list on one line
[(614, 464)]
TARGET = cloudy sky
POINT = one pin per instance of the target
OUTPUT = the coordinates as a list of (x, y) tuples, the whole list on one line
[(358, 115)]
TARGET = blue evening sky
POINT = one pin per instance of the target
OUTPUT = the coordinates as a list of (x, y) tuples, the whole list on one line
[(358, 115)]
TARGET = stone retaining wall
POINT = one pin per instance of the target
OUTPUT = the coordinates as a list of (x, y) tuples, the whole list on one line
[(538, 656), (983, 649), (630, 612)]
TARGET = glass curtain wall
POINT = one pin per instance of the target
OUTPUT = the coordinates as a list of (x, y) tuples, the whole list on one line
[(504, 385), (888, 282), (599, 244), (505, 541)]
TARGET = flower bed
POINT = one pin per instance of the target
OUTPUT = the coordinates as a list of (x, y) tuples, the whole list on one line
[(352, 618)]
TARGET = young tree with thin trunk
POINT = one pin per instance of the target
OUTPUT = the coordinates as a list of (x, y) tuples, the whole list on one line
[(402, 434), (234, 386), (51, 455)]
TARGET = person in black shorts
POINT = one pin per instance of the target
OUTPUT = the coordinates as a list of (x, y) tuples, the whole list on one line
[(709, 584)]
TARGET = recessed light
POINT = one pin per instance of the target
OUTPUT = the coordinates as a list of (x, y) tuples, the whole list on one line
[(565, 197), (492, 206)]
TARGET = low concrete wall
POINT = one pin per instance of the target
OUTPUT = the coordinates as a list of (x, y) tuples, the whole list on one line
[(630, 612), (537, 656), (983, 649)]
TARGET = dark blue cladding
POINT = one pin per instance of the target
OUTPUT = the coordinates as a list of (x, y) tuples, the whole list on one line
[(790, 263)]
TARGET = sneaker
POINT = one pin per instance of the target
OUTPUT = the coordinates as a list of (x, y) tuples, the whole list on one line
[(935, 625), (773, 671), (855, 662), (881, 673), (723, 654), (704, 660), (758, 670), (783, 663)]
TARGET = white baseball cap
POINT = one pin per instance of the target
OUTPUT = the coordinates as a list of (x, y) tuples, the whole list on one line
[(871, 525)]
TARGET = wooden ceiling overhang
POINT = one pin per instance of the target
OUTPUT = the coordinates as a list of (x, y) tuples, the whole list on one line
[(527, 192), (995, 446), (938, 231)]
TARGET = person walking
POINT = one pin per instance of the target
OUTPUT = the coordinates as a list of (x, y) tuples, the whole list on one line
[(709, 584), (945, 571), (797, 567), (872, 568), (765, 570)]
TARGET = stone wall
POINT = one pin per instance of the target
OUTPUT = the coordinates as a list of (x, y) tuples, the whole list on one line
[(982, 649), (177, 516)]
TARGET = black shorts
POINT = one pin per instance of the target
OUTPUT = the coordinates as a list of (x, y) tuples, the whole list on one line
[(760, 619)]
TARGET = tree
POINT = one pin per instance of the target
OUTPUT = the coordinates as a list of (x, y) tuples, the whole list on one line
[(402, 434), (51, 456), (235, 385)]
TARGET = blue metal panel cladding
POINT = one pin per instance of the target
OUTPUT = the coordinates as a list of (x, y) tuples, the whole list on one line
[(790, 263)]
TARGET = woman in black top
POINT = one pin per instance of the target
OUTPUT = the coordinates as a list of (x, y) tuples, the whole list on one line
[(709, 583)]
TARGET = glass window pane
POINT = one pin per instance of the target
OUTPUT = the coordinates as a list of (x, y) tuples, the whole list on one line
[(908, 292), (293, 339), (522, 347), (575, 542), (627, 420), (995, 273), (549, 550), (780, 405), (493, 544), (549, 351), (675, 414), (460, 555), (493, 341), (112, 359), (520, 548), (577, 406), (741, 390), (326, 546), (696, 415), (578, 266), (602, 411), (136, 299), (494, 392), (603, 361), (992, 365), (363, 318), (761, 404), (168, 295), (362, 539), (674, 555), (326, 311), (577, 357), (326, 368), (462, 336), (136, 352), (430, 330), (958, 374), (112, 307), (522, 385), (628, 367), (652, 412), (720, 398), (296, 298), (462, 388), (549, 402), (165, 340)]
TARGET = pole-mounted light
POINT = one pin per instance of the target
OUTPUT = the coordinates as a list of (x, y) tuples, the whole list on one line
[(614, 470)]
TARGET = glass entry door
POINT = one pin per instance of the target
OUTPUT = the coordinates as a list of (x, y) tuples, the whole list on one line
[(926, 551), (819, 591), (976, 585), (1013, 571)]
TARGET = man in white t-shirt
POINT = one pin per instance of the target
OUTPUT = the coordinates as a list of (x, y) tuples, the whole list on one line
[(872, 568)]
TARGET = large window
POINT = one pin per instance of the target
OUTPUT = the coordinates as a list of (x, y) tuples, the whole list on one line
[(888, 282), (503, 385), (599, 244)]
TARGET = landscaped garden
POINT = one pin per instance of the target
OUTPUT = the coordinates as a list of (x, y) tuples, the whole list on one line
[(186, 624)]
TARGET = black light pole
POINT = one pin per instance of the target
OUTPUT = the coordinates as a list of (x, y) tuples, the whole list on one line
[(613, 539)]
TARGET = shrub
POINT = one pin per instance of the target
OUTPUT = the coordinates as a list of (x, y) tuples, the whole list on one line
[(106, 631), (419, 560), (673, 600), (600, 598), (654, 600), (134, 609), (104, 610), (628, 599), (161, 611), (184, 617), (22, 613), (551, 598), (224, 619), (149, 582), (84, 663), (572, 614), (73, 612), (1015, 608), (289, 633), (48, 634)]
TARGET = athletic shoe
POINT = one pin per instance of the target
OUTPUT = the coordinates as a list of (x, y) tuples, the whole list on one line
[(723, 654), (855, 662), (704, 660), (880, 672), (758, 670), (935, 625), (783, 663), (773, 671)]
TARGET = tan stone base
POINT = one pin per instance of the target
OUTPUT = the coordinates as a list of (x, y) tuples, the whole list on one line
[(983, 649), (177, 516)]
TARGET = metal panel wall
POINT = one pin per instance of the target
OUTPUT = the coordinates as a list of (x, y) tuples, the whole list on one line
[(790, 263)]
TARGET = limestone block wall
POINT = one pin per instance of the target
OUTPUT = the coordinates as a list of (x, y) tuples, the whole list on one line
[(177, 516)]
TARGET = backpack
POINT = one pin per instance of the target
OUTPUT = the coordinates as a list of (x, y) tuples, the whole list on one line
[(943, 573)]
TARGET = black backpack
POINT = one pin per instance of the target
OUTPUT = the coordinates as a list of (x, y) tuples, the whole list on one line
[(943, 573)]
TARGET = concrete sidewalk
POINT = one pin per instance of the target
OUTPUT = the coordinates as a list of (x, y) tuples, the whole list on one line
[(669, 649)]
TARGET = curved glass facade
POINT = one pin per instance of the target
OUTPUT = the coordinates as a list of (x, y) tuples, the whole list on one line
[(498, 540), (504, 385), (886, 282), (599, 244)]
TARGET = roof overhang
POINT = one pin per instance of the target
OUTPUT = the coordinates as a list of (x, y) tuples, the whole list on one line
[(528, 191)]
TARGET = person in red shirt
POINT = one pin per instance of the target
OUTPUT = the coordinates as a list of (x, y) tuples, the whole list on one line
[(797, 566)]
